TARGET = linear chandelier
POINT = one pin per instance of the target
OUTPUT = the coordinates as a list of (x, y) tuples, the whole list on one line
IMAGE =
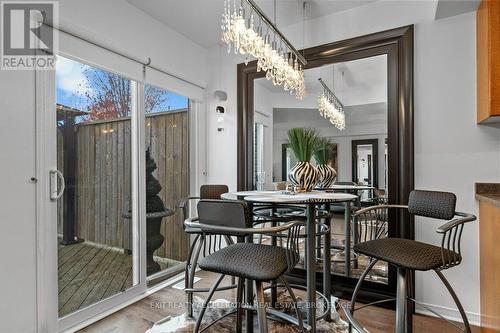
[(283, 64), (330, 107)]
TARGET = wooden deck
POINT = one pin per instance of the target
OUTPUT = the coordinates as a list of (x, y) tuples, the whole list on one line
[(88, 273), (103, 174)]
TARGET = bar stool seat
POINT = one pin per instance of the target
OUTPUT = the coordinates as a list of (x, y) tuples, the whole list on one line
[(250, 261), (406, 253)]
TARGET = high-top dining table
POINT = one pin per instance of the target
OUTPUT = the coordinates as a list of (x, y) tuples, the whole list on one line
[(310, 200)]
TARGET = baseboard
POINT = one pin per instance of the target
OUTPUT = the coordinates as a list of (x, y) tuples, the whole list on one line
[(449, 313)]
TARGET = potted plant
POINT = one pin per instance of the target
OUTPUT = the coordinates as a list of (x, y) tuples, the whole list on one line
[(303, 142), (324, 156)]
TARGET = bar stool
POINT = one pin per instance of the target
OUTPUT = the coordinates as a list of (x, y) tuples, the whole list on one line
[(202, 241), (409, 255), (258, 262)]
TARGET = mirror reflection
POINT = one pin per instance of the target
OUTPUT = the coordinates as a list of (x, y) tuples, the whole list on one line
[(355, 154)]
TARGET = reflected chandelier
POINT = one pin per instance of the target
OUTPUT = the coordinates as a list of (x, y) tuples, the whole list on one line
[(283, 64), (330, 107)]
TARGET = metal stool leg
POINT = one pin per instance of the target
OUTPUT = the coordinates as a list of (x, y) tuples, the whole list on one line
[(358, 285), (205, 304), (274, 289), (457, 301), (188, 261), (350, 312), (327, 263), (192, 270), (356, 235), (229, 241), (239, 305), (401, 300), (261, 307), (295, 304)]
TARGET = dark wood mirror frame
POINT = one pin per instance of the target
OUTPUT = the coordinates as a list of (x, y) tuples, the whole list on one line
[(397, 44)]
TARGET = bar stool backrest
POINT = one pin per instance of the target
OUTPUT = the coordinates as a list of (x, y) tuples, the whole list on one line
[(212, 191), (225, 213), (433, 204)]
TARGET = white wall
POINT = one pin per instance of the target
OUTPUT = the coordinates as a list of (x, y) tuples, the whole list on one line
[(451, 151), (17, 202), (122, 27), (222, 146), (118, 25)]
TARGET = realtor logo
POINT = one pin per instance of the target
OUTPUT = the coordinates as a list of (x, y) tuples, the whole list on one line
[(28, 39)]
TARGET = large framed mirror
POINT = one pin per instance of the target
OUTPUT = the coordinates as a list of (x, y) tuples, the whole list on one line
[(373, 77)]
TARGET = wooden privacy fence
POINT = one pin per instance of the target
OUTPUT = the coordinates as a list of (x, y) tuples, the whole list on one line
[(103, 179)]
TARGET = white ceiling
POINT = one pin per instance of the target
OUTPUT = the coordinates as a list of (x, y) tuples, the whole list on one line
[(199, 20), (364, 81)]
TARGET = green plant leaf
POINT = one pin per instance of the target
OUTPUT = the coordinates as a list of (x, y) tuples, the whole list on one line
[(325, 151), (303, 142)]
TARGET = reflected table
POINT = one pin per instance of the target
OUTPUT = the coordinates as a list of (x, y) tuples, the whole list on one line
[(310, 200), (358, 189), (335, 187), (348, 189)]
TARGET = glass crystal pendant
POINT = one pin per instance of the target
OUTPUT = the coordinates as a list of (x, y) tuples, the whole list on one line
[(246, 39)]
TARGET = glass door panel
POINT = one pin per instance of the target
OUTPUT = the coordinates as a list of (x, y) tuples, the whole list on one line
[(167, 181), (94, 223)]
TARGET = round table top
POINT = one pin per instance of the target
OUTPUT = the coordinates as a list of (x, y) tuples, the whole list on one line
[(281, 197), (346, 187), (242, 194)]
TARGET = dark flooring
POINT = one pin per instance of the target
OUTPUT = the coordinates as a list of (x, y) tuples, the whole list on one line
[(142, 315)]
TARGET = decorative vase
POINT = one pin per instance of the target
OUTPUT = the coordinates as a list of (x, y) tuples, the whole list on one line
[(304, 175), (326, 175)]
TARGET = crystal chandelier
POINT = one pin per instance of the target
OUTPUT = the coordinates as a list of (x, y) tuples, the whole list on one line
[(330, 107), (283, 64)]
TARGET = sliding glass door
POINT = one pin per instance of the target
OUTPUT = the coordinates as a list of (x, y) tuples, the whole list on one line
[(94, 212), (167, 181), (118, 172)]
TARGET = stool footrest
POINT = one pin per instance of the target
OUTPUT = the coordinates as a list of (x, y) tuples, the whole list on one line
[(206, 290), (277, 314), (437, 314), (351, 320), (356, 325)]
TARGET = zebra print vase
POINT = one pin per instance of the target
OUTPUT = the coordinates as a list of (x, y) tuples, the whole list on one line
[(326, 175), (304, 175)]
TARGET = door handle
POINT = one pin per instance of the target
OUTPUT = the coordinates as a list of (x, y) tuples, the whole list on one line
[(55, 191)]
